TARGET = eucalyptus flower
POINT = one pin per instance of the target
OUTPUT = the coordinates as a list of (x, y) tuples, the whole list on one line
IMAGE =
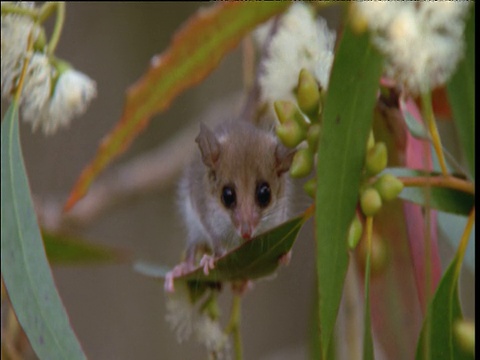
[(71, 97), (15, 33), (423, 41), (299, 41)]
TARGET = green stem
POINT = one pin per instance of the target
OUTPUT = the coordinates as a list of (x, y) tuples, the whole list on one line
[(233, 326), (428, 115), (57, 30), (367, 335), (19, 10)]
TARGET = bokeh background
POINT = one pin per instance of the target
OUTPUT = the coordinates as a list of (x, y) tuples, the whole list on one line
[(116, 313)]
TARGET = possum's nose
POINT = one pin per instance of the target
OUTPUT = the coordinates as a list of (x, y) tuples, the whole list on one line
[(246, 231), (246, 222)]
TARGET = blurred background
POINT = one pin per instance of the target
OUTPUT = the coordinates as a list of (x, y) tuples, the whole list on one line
[(116, 313)]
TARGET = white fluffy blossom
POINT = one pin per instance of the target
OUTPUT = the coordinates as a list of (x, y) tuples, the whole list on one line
[(300, 41), (16, 30), (186, 318), (422, 41), (45, 101), (72, 94), (37, 89), (209, 333), (180, 312)]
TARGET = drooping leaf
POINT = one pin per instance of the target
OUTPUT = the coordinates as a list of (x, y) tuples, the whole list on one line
[(437, 339), (437, 336), (67, 250), (346, 123), (440, 198), (25, 270), (195, 51), (253, 259), (461, 94)]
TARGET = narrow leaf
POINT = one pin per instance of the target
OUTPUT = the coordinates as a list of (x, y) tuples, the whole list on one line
[(461, 94), (195, 51), (66, 250), (253, 259), (341, 153), (440, 198), (25, 270), (436, 339)]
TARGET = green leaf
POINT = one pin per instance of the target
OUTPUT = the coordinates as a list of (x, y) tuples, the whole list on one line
[(443, 199), (25, 270), (251, 260), (346, 124), (67, 250), (437, 336), (461, 95), (195, 51)]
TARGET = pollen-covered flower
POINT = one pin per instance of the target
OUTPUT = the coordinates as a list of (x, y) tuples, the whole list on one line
[(37, 89), (422, 41), (300, 41), (15, 33), (71, 97), (180, 312), (209, 333)]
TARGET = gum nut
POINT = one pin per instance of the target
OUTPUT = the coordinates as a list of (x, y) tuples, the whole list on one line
[(388, 186), (313, 135), (354, 232), (310, 186), (285, 110), (370, 201), (464, 332), (379, 257), (302, 163), (376, 159), (308, 95), (290, 133)]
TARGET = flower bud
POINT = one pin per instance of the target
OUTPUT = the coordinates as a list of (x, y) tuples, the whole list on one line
[(388, 186), (464, 334), (379, 257), (313, 135), (376, 159), (290, 133), (285, 110), (370, 201), (308, 95), (302, 163), (310, 187), (354, 232)]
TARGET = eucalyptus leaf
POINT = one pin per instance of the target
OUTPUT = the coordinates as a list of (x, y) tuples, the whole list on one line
[(67, 250), (440, 198), (346, 124), (253, 259), (25, 270), (437, 337), (461, 94)]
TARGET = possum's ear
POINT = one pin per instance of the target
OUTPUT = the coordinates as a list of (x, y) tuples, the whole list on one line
[(283, 158), (209, 146)]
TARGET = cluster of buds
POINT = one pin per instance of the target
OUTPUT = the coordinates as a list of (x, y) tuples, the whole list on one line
[(299, 126), (386, 187), (373, 192)]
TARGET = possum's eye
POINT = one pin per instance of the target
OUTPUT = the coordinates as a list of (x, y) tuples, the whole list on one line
[(229, 198), (263, 194)]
